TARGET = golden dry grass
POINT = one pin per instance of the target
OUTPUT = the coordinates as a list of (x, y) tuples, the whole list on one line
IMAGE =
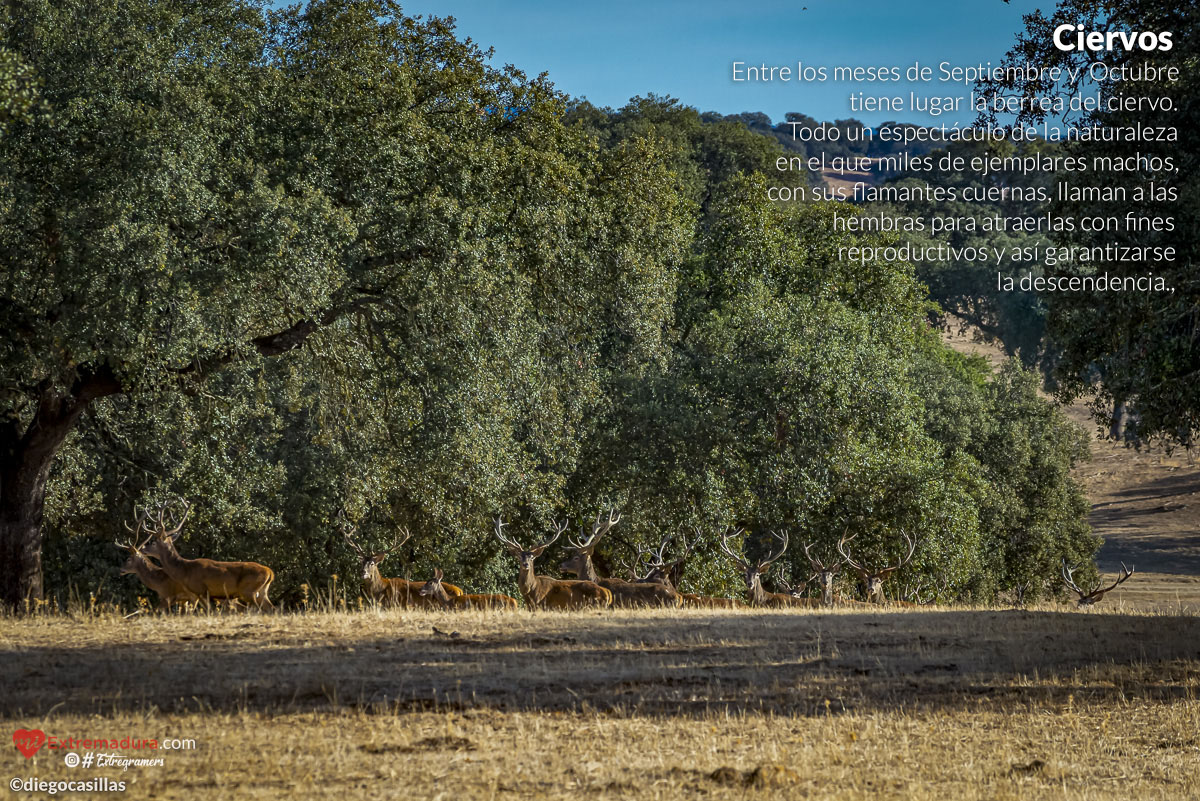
[(926, 704)]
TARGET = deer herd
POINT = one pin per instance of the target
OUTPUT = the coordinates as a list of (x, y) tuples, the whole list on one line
[(177, 581)]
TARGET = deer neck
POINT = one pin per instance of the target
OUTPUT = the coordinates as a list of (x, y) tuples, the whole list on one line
[(827, 589), (758, 596), (532, 585), (170, 557), (588, 573), (373, 583), (148, 573), (440, 595)]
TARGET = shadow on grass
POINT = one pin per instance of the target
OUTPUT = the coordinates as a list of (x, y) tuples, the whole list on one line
[(787, 664)]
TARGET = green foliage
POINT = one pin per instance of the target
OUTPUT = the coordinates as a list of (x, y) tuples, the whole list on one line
[(325, 260)]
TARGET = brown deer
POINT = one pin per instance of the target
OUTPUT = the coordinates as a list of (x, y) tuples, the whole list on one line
[(434, 589), (1093, 594), (872, 578), (662, 570), (826, 575), (752, 573), (625, 593), (670, 573), (543, 592), (388, 592), (169, 591), (206, 578)]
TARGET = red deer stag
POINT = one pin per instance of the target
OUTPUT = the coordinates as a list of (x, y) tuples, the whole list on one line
[(170, 591), (388, 592), (1093, 594), (670, 573), (624, 593), (752, 573), (826, 574), (872, 578), (543, 592), (436, 590), (208, 579)]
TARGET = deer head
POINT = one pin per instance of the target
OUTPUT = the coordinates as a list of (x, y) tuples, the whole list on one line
[(825, 573), (369, 562), (660, 570), (162, 528), (526, 557), (434, 587), (580, 563), (872, 578), (752, 571), (137, 558)]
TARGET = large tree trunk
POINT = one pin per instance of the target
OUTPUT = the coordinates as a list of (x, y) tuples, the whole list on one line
[(25, 461)]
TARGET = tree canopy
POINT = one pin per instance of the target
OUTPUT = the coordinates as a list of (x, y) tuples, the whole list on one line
[(302, 263)]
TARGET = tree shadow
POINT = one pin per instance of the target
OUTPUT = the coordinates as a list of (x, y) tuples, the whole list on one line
[(784, 664)]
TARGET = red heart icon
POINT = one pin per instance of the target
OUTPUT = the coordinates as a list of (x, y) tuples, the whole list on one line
[(28, 741)]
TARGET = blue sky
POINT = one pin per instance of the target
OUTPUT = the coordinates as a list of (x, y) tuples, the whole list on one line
[(612, 51)]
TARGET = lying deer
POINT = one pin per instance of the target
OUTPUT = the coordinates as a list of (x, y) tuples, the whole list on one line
[(434, 589), (206, 578), (543, 592), (624, 593), (670, 573), (752, 573), (389, 592), (1093, 594), (826, 572), (872, 578)]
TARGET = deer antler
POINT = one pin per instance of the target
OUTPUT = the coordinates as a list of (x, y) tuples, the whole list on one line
[(173, 533), (841, 547), (912, 547), (559, 528), (724, 546), (507, 542), (783, 538), (882, 572), (142, 527), (403, 536), (820, 567), (1095, 593), (348, 530), (599, 529), (516, 547)]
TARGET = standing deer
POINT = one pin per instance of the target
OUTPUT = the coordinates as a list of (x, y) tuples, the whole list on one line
[(206, 578), (169, 590), (752, 573), (624, 593), (388, 592), (1093, 594), (872, 579), (436, 590), (543, 592)]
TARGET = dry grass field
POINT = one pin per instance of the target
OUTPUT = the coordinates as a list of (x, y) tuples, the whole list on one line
[(932, 703), (925, 704)]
